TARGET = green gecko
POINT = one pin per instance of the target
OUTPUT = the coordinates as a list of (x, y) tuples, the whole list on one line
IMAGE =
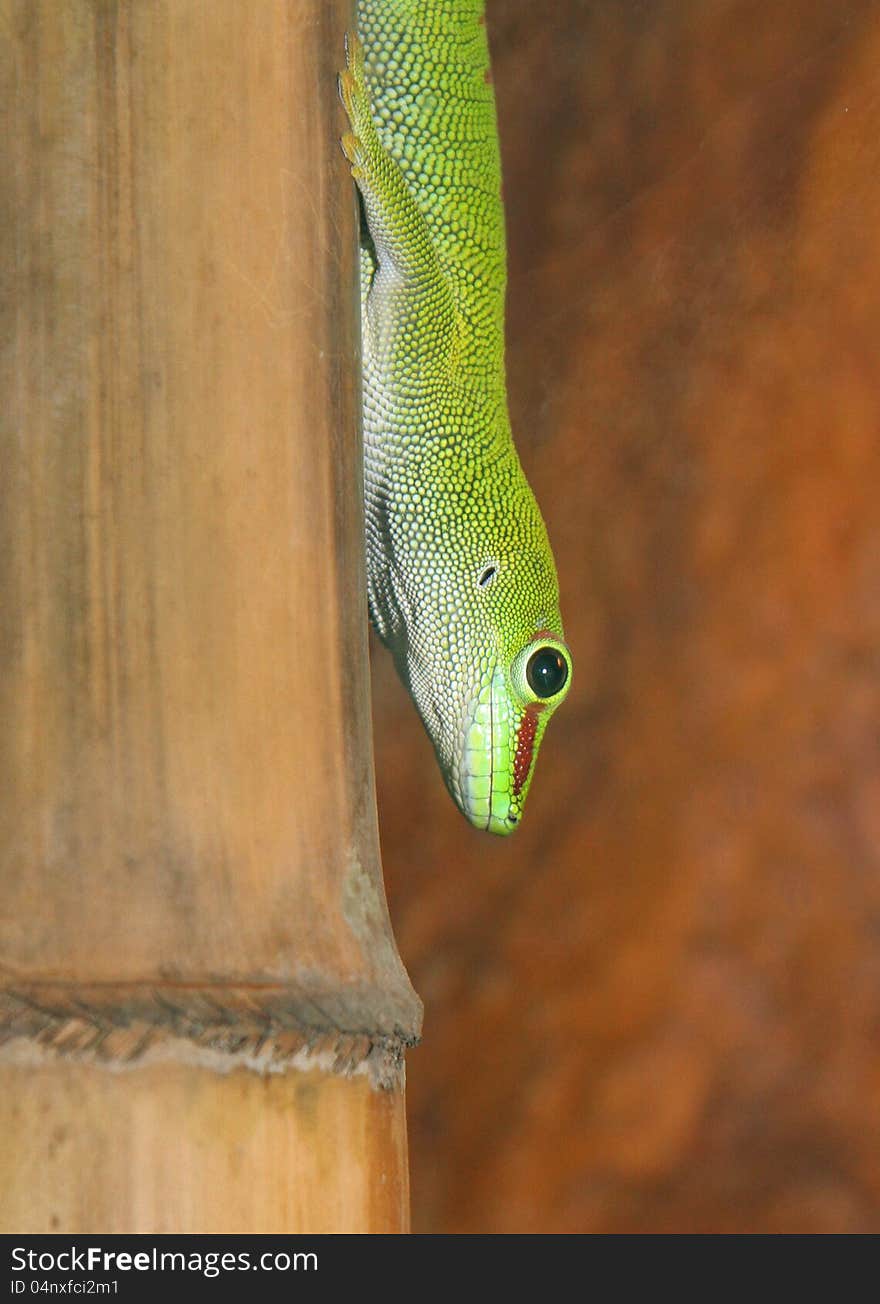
[(461, 580)]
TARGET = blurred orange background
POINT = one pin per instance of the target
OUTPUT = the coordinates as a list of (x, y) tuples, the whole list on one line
[(657, 1006)]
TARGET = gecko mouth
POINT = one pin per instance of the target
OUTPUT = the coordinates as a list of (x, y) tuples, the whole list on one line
[(489, 779)]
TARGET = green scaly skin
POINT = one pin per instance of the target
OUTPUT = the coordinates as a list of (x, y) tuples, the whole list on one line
[(461, 578)]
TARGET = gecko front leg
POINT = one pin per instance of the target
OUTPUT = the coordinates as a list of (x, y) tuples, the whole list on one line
[(409, 293)]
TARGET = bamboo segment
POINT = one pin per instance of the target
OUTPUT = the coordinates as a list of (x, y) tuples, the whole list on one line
[(188, 841), (300, 1151)]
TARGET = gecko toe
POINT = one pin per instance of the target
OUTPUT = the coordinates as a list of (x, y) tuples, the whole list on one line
[(351, 147), (354, 56)]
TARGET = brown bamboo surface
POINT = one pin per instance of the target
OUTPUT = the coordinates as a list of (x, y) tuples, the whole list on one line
[(187, 819), (656, 1007), (168, 1148)]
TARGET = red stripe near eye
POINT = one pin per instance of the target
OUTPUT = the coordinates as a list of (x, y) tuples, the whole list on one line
[(525, 747)]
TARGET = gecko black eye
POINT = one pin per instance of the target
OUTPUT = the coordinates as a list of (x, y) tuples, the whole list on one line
[(487, 577), (547, 672)]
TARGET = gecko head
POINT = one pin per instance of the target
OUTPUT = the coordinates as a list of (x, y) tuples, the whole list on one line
[(487, 691), (504, 722)]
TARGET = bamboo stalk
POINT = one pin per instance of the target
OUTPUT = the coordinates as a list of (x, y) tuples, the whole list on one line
[(190, 870)]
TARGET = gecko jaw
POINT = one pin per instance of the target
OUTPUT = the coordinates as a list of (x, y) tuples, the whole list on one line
[(486, 786)]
